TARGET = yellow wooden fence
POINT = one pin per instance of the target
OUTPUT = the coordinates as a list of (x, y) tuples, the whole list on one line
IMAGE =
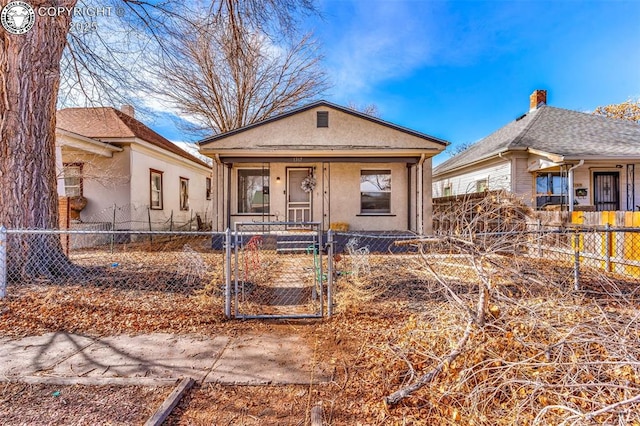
[(616, 250)]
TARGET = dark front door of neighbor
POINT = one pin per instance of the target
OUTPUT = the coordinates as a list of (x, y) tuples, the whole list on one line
[(606, 191)]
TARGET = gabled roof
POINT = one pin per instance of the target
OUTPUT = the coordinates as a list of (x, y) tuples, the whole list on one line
[(323, 103), (107, 123), (570, 134)]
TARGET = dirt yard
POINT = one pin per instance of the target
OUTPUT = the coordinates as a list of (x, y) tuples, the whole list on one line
[(545, 354)]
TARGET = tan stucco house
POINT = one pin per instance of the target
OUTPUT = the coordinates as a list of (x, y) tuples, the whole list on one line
[(323, 163), (552, 158), (111, 159)]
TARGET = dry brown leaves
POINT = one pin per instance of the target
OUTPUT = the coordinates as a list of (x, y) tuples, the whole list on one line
[(24, 404), (547, 355), (99, 311)]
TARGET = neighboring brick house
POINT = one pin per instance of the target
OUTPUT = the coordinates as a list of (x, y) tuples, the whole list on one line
[(552, 158), (106, 157)]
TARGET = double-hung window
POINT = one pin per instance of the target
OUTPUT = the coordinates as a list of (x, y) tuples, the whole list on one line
[(184, 193), (72, 179), (155, 193)]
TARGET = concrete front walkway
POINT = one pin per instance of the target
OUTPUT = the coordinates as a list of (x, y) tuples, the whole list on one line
[(155, 359)]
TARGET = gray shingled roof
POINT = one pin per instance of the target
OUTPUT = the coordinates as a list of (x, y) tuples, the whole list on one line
[(563, 132)]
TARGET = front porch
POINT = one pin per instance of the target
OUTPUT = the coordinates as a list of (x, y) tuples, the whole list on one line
[(353, 194)]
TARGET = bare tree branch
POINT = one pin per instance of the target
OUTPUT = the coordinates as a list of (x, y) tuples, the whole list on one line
[(224, 75)]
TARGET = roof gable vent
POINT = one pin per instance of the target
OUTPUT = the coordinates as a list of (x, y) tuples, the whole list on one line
[(322, 118)]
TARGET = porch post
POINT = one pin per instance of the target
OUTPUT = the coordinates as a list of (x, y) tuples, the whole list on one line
[(425, 227), (218, 195), (572, 191), (228, 198)]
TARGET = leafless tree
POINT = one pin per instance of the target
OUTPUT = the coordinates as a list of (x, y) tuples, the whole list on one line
[(628, 110), (224, 73), (31, 65), (371, 109)]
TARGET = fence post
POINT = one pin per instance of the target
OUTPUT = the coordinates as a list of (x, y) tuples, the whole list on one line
[(3, 262), (149, 216), (227, 273), (607, 246), (113, 227), (330, 273), (576, 261), (539, 238)]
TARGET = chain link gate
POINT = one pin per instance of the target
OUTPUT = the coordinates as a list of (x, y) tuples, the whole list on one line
[(277, 270)]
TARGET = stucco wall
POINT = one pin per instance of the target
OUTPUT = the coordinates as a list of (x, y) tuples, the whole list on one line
[(342, 188), (345, 197), (142, 160), (105, 182), (344, 129)]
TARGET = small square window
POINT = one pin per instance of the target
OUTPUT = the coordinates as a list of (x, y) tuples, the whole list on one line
[(482, 185), (323, 118), (447, 191)]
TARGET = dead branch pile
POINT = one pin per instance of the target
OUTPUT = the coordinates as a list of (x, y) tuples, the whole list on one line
[(494, 211), (515, 344), (546, 360)]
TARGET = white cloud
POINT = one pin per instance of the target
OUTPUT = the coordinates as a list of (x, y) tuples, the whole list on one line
[(192, 149), (379, 41)]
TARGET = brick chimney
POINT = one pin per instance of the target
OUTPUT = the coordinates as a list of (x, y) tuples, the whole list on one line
[(129, 110), (537, 98)]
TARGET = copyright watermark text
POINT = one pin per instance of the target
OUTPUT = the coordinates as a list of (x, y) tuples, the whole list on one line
[(18, 17)]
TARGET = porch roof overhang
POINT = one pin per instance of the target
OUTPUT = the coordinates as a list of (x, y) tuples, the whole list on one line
[(298, 154), (77, 142), (557, 160)]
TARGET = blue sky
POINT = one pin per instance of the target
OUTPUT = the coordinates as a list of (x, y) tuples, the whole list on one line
[(459, 70)]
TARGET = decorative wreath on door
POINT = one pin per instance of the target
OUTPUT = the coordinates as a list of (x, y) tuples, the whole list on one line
[(308, 183)]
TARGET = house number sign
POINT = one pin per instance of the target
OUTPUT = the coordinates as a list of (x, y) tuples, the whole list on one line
[(298, 159)]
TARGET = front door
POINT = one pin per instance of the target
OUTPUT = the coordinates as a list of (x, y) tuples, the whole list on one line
[(606, 191), (298, 200)]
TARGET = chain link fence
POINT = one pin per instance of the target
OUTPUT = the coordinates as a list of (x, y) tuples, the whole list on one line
[(174, 262), (284, 269), (279, 270)]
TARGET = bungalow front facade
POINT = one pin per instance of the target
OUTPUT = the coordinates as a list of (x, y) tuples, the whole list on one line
[(553, 159), (323, 163)]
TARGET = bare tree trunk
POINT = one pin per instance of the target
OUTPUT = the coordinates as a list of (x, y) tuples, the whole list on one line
[(29, 81)]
